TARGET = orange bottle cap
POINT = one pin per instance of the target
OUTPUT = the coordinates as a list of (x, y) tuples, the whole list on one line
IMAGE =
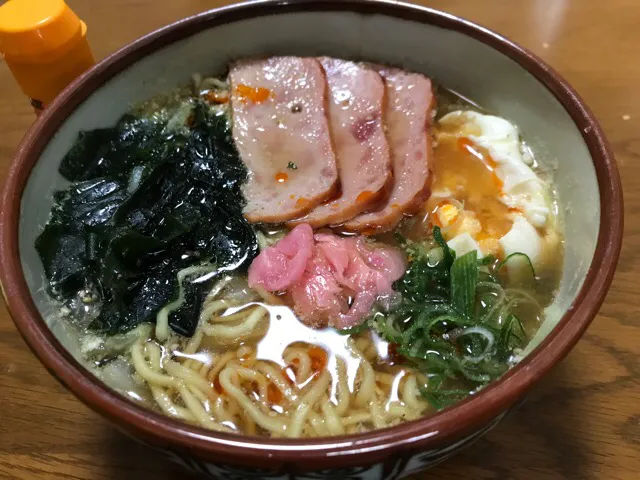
[(34, 27)]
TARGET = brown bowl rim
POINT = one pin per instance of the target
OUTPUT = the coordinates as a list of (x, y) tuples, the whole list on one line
[(431, 432)]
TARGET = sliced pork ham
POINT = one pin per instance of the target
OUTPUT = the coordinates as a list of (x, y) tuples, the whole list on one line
[(409, 113), (356, 105), (342, 279), (280, 127)]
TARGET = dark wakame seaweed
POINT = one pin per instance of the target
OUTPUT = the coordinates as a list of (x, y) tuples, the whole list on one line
[(145, 204)]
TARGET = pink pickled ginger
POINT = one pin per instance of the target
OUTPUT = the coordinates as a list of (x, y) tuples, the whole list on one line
[(331, 280)]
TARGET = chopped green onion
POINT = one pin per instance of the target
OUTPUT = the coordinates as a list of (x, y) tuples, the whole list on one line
[(487, 335), (464, 279), (449, 254), (516, 255), (456, 321)]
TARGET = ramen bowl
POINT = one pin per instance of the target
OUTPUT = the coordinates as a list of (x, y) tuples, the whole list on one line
[(474, 62)]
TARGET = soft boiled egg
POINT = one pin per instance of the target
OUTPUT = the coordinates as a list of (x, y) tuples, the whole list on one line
[(521, 187), (486, 197)]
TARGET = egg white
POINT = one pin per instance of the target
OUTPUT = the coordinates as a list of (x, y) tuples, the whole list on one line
[(522, 189)]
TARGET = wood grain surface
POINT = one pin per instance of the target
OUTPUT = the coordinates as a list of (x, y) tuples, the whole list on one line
[(583, 422)]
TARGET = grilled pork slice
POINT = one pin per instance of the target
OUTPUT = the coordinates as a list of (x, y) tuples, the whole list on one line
[(409, 114), (281, 131), (356, 106)]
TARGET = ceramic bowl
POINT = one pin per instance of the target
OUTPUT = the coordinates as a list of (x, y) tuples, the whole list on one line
[(477, 63)]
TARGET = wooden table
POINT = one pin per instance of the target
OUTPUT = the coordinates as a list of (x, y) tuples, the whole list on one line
[(583, 422)]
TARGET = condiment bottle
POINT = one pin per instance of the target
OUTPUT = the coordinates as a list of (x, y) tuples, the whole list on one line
[(44, 44)]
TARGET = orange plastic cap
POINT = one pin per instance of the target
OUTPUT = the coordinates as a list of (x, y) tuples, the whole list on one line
[(34, 27)]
